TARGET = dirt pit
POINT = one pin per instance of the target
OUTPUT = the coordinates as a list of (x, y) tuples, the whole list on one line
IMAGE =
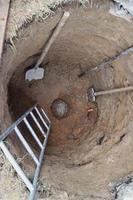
[(86, 152)]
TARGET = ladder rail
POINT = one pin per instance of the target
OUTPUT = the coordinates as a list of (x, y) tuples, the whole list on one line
[(33, 132), (16, 166), (26, 145), (45, 115), (37, 123), (16, 123), (32, 186), (37, 172), (41, 118)]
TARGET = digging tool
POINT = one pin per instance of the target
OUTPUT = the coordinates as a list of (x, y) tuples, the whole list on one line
[(92, 94), (108, 62), (37, 72), (4, 10)]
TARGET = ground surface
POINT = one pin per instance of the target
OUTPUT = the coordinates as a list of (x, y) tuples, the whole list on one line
[(85, 154)]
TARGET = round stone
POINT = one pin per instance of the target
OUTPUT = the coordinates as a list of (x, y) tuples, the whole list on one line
[(59, 108)]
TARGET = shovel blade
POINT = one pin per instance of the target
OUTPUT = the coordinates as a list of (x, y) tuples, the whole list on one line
[(34, 74)]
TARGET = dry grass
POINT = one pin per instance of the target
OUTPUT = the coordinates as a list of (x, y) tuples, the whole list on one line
[(11, 186), (23, 12)]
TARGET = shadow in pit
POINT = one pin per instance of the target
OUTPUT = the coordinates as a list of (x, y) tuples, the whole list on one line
[(19, 102)]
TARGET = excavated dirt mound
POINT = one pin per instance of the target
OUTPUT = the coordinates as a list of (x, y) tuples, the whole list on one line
[(86, 150)]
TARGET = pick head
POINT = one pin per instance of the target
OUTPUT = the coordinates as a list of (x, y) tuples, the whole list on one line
[(91, 95)]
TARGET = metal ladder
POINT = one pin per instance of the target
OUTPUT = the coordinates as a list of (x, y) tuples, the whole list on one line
[(45, 130)]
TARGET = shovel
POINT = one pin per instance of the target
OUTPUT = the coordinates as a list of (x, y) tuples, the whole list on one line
[(36, 72), (92, 94)]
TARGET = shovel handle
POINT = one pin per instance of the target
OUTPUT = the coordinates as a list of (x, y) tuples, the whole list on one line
[(52, 38), (123, 89)]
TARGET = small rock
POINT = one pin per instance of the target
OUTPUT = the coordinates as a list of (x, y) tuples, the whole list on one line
[(100, 138)]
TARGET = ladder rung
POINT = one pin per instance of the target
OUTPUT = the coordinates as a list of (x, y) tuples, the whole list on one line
[(46, 116), (39, 126), (16, 166), (26, 145), (41, 117), (33, 132)]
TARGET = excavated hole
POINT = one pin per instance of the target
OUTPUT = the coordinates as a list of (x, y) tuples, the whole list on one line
[(77, 136), (64, 97), (87, 152)]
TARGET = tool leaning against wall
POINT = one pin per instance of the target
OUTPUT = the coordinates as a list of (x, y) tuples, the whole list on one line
[(4, 11)]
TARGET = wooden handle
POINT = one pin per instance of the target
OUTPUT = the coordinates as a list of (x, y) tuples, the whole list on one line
[(4, 9), (123, 89), (52, 38)]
